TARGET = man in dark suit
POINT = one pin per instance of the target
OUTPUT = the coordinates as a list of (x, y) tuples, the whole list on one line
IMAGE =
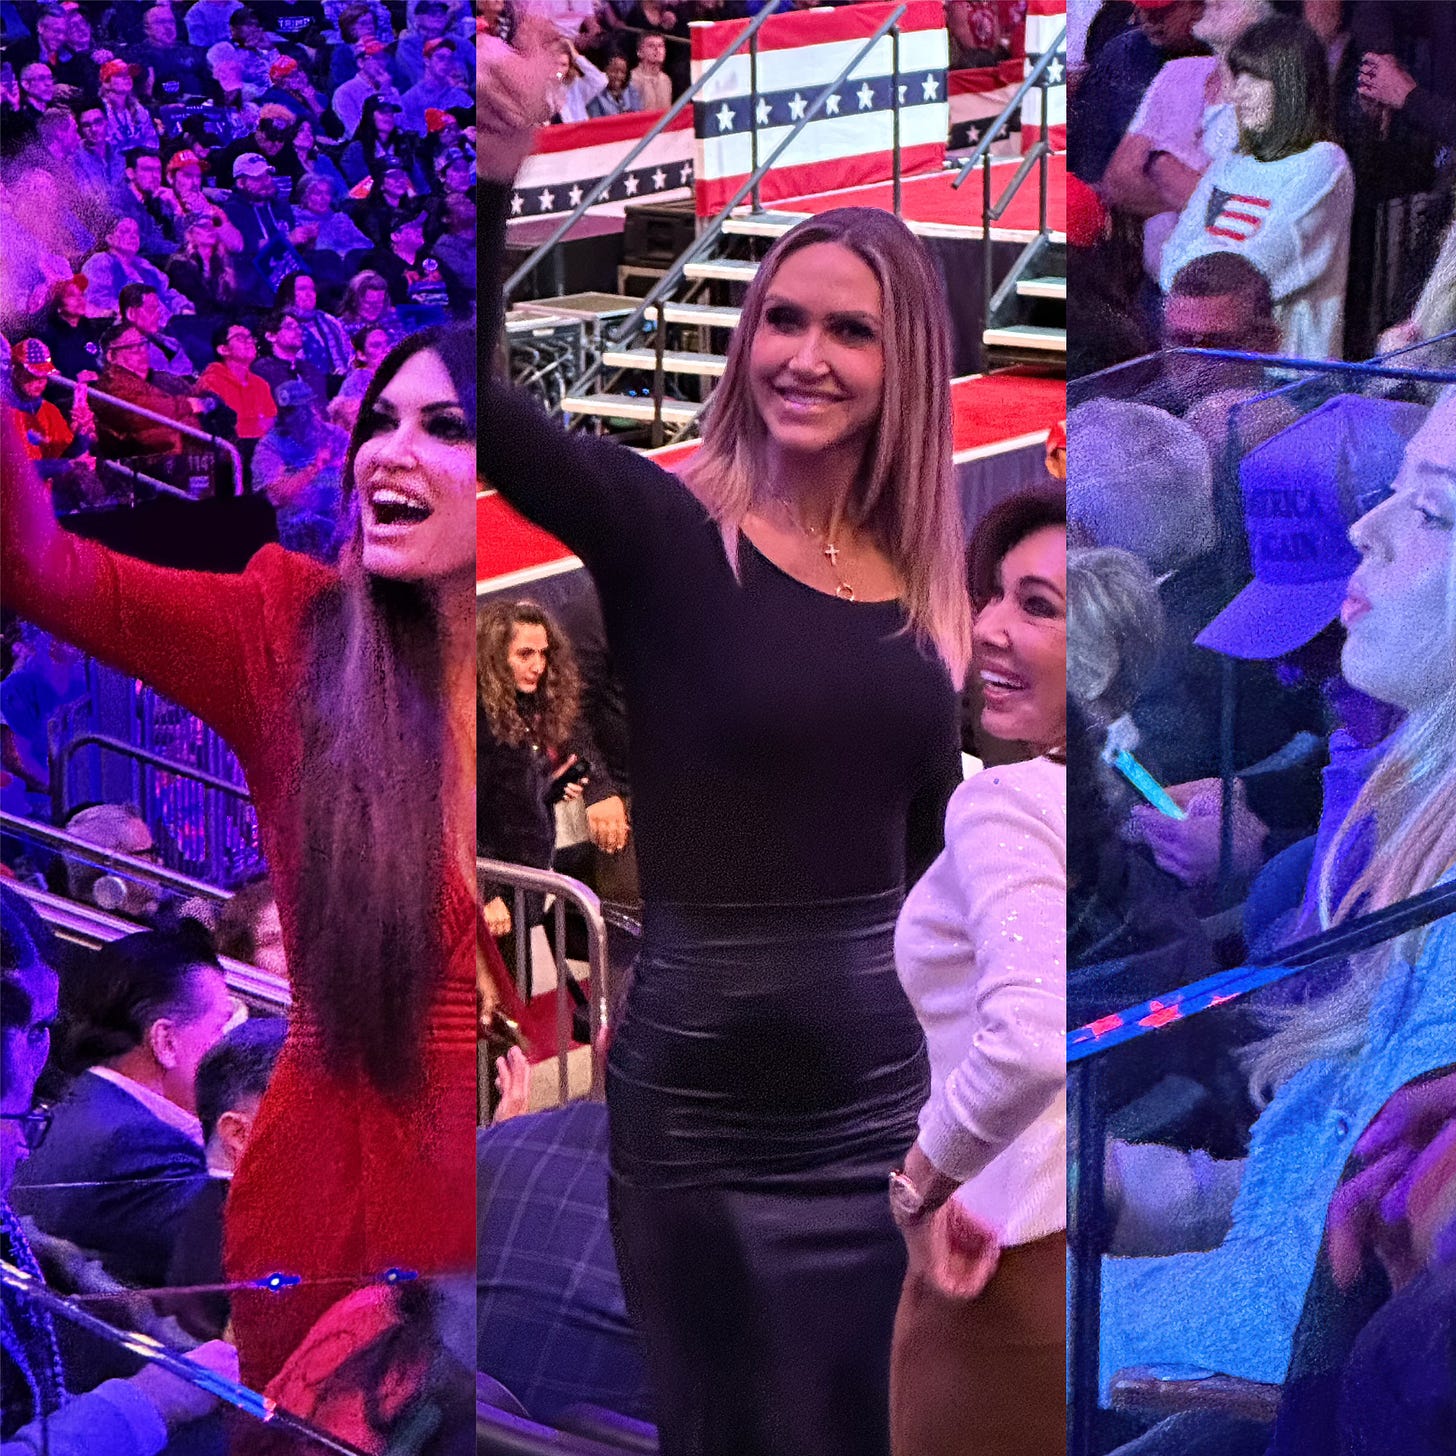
[(231, 1081), (124, 1156)]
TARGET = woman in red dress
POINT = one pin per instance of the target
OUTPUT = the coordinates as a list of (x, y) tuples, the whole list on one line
[(348, 697)]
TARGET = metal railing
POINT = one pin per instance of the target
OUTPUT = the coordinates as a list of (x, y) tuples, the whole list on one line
[(655, 299), (601, 188), (992, 210), (61, 764), (93, 928), (521, 881), (50, 837), (192, 432), (1086, 1048)]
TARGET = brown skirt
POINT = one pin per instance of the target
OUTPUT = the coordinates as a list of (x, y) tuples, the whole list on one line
[(988, 1376)]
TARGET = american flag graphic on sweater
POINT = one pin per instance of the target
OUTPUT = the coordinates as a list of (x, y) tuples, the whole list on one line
[(1236, 216)]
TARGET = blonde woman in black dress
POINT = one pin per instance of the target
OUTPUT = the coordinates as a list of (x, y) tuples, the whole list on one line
[(791, 627)]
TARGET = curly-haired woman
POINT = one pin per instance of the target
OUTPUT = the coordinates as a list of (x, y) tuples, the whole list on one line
[(529, 692)]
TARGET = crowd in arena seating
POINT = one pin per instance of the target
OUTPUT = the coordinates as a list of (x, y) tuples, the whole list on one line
[(1313, 141), (1268, 179), (221, 216)]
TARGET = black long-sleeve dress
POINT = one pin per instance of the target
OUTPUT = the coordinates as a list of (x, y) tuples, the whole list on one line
[(791, 758)]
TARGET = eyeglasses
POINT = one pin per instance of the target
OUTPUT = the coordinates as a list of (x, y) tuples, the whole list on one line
[(34, 1125)]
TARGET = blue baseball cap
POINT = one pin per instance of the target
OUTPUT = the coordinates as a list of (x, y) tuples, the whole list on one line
[(1303, 490)]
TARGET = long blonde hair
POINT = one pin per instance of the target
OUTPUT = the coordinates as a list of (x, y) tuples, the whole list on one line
[(1405, 816), (906, 494)]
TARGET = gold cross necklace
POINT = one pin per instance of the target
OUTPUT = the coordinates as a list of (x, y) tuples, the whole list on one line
[(831, 553)]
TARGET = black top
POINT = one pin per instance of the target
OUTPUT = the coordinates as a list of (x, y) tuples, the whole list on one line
[(603, 739), (787, 747)]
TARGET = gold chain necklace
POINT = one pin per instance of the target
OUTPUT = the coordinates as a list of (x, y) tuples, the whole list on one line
[(829, 551)]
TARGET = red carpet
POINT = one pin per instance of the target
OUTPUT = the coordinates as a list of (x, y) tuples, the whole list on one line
[(988, 409), (932, 201)]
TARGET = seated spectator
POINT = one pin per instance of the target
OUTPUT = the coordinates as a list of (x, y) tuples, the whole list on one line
[(285, 361), (50, 439), (307, 161), (453, 246), (265, 225), (551, 1322), (269, 139), (70, 333), (127, 376), (412, 275), (56, 151), (22, 122), (100, 165), (366, 302), (118, 830), (438, 88), (140, 306), (649, 79), (184, 176), (1284, 198), (373, 82), (1220, 301), (430, 21), (108, 272), (1364, 1029), (371, 344), (175, 70), (325, 342), (124, 1158), (248, 46), (378, 199), (249, 930), (300, 465), (207, 21), (202, 271), (1114, 634), (620, 95), (289, 86), (231, 1080), (379, 143), (232, 379), (320, 228), (128, 123), (155, 207), (236, 114), (121, 1417)]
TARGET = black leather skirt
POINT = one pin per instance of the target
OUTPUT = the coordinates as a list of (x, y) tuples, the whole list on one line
[(764, 1079)]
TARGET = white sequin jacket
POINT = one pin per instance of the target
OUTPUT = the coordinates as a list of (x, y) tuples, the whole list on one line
[(981, 948)]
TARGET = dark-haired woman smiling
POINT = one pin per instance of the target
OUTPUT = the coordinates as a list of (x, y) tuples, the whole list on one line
[(1283, 200), (332, 686)]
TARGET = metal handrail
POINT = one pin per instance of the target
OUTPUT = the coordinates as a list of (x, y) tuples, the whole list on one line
[(191, 431), (109, 859), (711, 233), (522, 879), (1033, 78), (663, 122), (61, 764), (150, 480), (1087, 1122), (96, 928)]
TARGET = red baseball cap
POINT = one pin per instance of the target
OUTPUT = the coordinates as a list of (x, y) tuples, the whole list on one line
[(1086, 216), (34, 357), (283, 66)]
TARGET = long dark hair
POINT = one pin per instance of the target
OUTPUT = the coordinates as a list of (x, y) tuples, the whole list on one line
[(373, 805), (1285, 52)]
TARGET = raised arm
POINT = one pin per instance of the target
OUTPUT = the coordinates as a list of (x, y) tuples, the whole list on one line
[(201, 639), (602, 501)]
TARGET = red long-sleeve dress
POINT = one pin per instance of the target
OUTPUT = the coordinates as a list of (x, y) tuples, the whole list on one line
[(339, 1183)]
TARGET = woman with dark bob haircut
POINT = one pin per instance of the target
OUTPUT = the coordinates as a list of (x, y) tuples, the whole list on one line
[(346, 694), (1283, 200)]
